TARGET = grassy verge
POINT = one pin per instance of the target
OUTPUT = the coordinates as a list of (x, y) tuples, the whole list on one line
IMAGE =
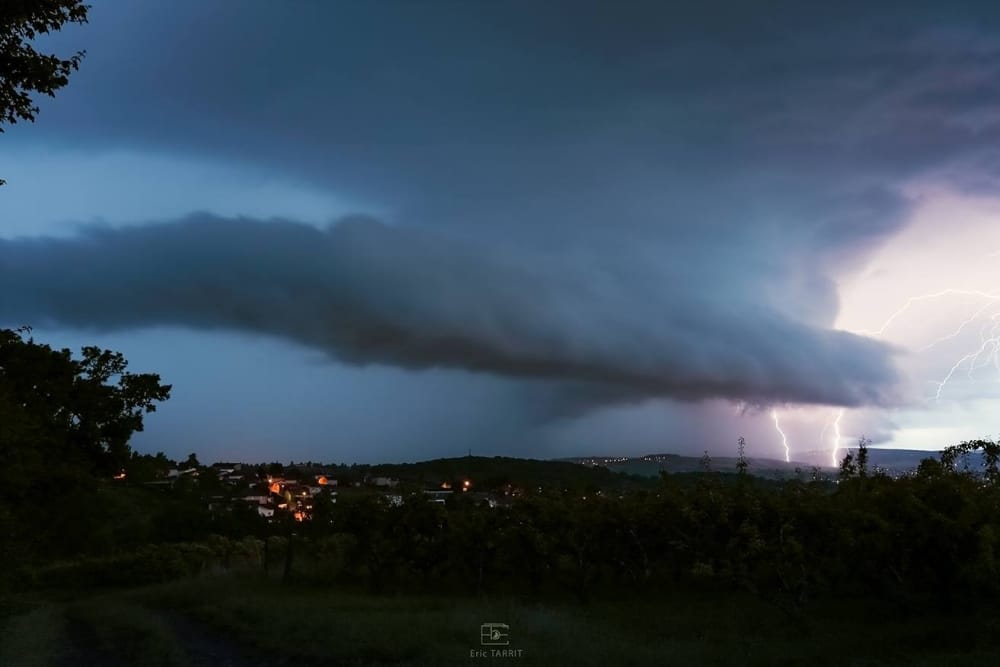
[(324, 625), (33, 638), (124, 632), (101, 630), (274, 624)]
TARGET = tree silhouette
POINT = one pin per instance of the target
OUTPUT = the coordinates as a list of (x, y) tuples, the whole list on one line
[(23, 70), (65, 424), (72, 410)]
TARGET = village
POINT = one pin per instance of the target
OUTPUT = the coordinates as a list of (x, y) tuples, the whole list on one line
[(297, 489)]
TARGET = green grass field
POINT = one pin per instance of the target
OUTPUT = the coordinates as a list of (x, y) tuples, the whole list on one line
[(251, 621)]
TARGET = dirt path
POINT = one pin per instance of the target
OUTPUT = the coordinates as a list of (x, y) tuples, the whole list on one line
[(83, 648), (204, 646)]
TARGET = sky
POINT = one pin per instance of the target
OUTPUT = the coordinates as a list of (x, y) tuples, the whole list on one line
[(392, 231)]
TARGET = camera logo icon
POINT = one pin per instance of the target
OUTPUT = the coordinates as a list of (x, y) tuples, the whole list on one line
[(494, 634)]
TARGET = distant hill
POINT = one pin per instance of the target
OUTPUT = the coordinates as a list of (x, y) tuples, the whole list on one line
[(895, 461), (497, 471), (616, 472), (652, 464)]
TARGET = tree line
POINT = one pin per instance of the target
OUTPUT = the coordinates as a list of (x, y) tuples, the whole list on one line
[(929, 537)]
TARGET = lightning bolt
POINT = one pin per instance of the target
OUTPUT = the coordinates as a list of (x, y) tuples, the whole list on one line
[(784, 438), (836, 438), (990, 296), (989, 349), (988, 352), (972, 318)]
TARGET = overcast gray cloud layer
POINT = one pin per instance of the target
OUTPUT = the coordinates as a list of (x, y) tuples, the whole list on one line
[(642, 198)]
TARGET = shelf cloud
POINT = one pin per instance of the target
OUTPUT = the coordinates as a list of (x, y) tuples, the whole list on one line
[(366, 292)]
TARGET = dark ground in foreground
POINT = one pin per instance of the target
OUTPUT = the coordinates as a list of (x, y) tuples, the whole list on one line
[(251, 622)]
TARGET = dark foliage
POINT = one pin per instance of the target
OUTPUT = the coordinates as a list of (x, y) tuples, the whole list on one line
[(929, 538), (65, 425), (24, 71)]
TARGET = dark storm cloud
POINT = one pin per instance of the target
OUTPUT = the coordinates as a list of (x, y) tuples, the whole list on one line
[(434, 105), (371, 293), (644, 198), (784, 130), (560, 123)]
